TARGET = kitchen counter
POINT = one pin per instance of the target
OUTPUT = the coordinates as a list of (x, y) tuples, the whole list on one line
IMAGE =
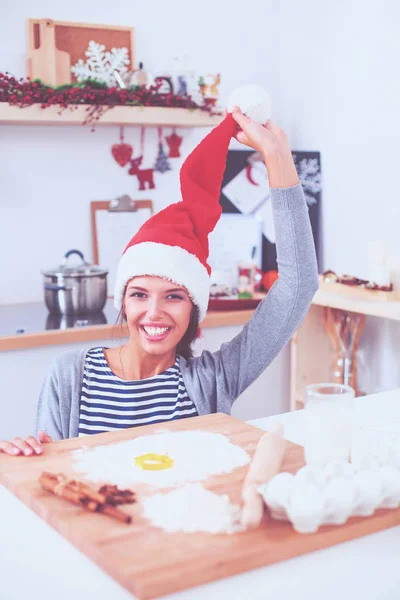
[(364, 568), (31, 326)]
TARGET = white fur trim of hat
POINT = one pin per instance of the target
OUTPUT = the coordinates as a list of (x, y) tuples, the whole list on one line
[(169, 262)]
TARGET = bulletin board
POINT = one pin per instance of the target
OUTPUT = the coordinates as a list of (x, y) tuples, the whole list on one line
[(67, 42), (245, 190)]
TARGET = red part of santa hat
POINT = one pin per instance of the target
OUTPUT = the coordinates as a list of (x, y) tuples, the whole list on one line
[(173, 244)]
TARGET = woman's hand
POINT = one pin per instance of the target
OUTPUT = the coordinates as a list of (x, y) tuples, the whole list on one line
[(28, 447), (272, 143)]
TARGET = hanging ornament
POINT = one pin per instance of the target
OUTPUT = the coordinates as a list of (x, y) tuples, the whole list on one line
[(252, 162), (174, 141), (145, 176), (122, 152), (249, 174), (161, 165)]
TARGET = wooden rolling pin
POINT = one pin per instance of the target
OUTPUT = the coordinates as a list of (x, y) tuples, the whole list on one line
[(266, 464)]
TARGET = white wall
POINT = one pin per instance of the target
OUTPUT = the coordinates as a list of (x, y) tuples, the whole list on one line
[(338, 92), (331, 68)]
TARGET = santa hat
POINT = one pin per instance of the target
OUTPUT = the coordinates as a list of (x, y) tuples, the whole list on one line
[(173, 244)]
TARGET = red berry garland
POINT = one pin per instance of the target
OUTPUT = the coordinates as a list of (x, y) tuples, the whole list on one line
[(99, 98)]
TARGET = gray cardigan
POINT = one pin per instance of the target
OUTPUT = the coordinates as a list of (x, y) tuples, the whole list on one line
[(215, 379)]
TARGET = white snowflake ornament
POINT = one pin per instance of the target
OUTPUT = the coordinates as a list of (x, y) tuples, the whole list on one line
[(310, 177), (101, 64)]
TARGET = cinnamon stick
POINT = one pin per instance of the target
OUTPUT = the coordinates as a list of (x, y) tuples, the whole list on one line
[(72, 491), (85, 490), (111, 511)]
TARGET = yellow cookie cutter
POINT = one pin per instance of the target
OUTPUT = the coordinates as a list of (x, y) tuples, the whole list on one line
[(154, 462)]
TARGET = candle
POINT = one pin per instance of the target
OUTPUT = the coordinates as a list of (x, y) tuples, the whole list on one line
[(378, 266)]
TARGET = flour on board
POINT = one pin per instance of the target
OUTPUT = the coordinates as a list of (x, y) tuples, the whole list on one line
[(196, 455), (191, 509)]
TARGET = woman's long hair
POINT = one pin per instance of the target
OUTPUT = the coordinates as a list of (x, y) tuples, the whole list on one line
[(184, 348)]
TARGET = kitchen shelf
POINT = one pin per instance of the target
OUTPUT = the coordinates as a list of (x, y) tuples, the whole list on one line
[(118, 115), (33, 316), (387, 309)]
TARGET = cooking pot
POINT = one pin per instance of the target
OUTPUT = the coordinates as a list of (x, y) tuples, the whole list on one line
[(76, 289)]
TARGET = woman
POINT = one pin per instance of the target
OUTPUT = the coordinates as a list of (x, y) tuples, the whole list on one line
[(162, 292)]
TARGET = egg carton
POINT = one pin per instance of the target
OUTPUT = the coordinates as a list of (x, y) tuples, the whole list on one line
[(329, 495), (372, 448)]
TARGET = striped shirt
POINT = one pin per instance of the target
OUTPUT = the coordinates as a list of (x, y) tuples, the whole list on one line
[(109, 403)]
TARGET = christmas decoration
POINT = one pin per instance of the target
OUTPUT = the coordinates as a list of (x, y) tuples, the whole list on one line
[(165, 84), (209, 88), (161, 165), (101, 64), (183, 76), (140, 77), (98, 96), (174, 141), (145, 176), (249, 174), (182, 86), (309, 174), (253, 101), (269, 278), (174, 242), (122, 152)]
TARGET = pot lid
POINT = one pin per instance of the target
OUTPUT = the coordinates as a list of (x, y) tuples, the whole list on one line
[(83, 269)]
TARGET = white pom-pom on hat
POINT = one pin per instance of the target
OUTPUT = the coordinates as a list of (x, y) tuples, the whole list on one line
[(253, 101)]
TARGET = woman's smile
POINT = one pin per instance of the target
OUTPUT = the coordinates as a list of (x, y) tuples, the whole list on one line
[(155, 333)]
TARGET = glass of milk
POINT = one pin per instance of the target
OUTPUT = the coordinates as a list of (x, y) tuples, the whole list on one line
[(328, 420)]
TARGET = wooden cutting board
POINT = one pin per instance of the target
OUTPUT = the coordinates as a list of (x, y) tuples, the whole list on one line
[(150, 562), (47, 63)]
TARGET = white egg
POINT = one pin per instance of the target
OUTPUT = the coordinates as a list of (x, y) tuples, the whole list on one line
[(339, 500), (278, 514), (390, 480), (276, 493), (383, 451), (375, 448), (365, 463), (306, 508), (368, 492), (310, 474), (253, 101), (337, 468)]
